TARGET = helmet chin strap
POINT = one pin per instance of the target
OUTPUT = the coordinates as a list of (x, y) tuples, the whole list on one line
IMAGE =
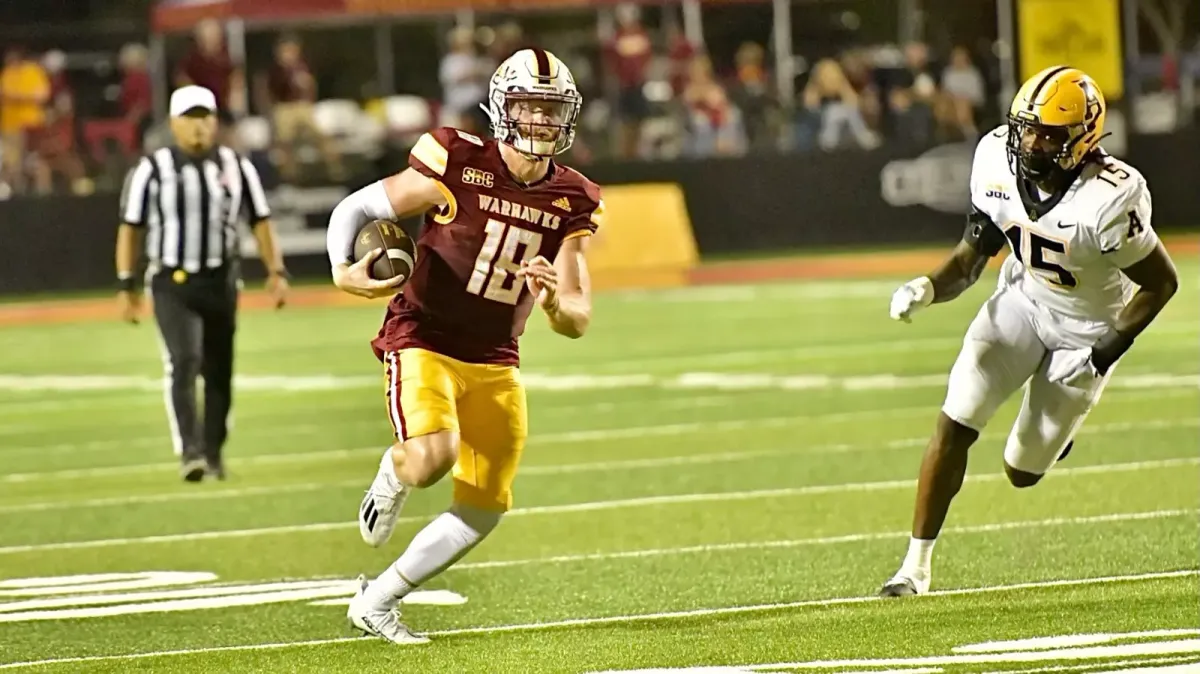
[(528, 155), (519, 139)]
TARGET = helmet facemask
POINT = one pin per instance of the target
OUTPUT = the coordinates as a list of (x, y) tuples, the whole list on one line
[(537, 124), (1043, 153)]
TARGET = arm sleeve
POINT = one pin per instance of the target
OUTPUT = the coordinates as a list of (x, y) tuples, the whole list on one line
[(355, 211)]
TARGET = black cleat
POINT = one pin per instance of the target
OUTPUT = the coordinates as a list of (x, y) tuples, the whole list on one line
[(216, 470), (898, 587), (1066, 450), (192, 470)]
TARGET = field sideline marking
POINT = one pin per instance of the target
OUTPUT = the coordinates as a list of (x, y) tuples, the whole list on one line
[(589, 435), (541, 381), (826, 540), (813, 352), (593, 506), (542, 470), (31, 594), (1131, 384), (608, 620), (681, 402)]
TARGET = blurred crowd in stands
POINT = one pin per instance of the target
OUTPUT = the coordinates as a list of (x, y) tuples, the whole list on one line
[(650, 93)]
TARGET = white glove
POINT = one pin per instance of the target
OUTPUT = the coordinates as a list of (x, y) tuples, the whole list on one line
[(1073, 368), (908, 298)]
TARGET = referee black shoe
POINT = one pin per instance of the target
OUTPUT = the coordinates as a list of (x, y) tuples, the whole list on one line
[(192, 470), (216, 469)]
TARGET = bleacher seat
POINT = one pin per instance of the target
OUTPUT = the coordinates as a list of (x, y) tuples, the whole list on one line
[(254, 134), (407, 114), (338, 117), (352, 128)]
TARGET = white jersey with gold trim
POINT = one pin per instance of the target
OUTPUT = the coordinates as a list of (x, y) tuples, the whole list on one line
[(1069, 260)]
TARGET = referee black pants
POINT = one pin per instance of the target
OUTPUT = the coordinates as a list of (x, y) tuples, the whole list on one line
[(197, 318)]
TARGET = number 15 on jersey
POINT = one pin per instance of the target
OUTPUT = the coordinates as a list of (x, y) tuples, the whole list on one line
[(1035, 251), (494, 275)]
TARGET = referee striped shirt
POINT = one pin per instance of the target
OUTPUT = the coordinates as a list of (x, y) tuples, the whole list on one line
[(189, 206)]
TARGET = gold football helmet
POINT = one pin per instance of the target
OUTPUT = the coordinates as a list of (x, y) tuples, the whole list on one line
[(1055, 121)]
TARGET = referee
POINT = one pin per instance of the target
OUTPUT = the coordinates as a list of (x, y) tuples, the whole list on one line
[(186, 200)]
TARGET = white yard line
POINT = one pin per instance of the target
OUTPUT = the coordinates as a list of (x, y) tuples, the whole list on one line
[(813, 602), (594, 435), (549, 382), (824, 540), (1106, 667), (812, 352), (273, 425), (609, 620), (809, 289), (543, 470), (1134, 385), (594, 506), (1135, 389), (175, 497), (831, 489)]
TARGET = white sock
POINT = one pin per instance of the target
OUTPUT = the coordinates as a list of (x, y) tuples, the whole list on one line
[(441, 543), (388, 467), (920, 555)]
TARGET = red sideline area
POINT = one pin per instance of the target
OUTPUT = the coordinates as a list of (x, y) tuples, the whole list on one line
[(831, 266)]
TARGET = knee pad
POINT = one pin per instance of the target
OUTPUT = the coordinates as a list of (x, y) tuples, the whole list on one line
[(479, 519)]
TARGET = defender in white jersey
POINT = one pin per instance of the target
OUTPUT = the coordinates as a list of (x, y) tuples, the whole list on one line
[(1085, 276)]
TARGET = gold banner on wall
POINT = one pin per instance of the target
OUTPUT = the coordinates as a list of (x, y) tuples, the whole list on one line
[(1084, 34), (646, 240)]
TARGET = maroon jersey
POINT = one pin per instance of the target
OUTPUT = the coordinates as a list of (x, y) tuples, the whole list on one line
[(464, 299)]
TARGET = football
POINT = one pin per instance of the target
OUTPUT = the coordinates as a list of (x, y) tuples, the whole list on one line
[(399, 250)]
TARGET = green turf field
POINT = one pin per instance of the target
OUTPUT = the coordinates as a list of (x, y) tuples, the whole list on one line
[(717, 477)]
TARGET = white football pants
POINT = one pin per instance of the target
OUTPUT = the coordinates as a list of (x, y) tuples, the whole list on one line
[(1014, 341)]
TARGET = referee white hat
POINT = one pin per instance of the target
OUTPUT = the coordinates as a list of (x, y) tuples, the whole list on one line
[(186, 99)]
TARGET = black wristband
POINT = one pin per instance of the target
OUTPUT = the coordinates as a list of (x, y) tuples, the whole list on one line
[(125, 284), (281, 273), (1109, 349)]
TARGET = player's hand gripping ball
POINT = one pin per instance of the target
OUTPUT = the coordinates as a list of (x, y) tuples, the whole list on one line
[(384, 257), (398, 252)]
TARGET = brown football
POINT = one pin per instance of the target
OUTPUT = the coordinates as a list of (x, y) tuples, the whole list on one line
[(399, 250)]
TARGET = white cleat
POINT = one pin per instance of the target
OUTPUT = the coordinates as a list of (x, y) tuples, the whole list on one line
[(380, 508), (906, 584), (378, 621)]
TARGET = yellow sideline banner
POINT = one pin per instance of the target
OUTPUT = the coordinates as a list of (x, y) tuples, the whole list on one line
[(645, 239), (1083, 34)]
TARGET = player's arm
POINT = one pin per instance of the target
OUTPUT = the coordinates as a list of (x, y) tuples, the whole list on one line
[(570, 308), (269, 250), (981, 241), (135, 206), (129, 242), (1131, 244), (398, 196)]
